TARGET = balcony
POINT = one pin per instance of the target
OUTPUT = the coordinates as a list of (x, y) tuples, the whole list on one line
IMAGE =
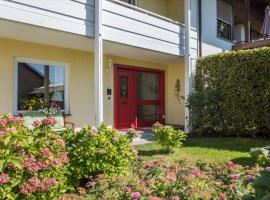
[(69, 16), (127, 24), (252, 45)]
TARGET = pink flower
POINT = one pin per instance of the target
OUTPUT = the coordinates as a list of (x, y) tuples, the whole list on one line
[(61, 142), (250, 177), (150, 181), (175, 198), (64, 157), (30, 163), (166, 165), (42, 165), (13, 119), (127, 189), (3, 122), (146, 166), (46, 184), (91, 184), (146, 191), (30, 186), (94, 130), (196, 173), (45, 153), (37, 123), (170, 176), (10, 130), (141, 182), (4, 178), (222, 196), (267, 168), (49, 121), (230, 164), (135, 195), (56, 162), (233, 176)]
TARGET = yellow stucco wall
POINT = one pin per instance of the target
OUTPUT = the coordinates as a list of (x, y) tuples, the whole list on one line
[(81, 75), (173, 9), (174, 110)]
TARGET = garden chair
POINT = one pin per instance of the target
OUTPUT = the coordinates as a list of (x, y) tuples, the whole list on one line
[(61, 120)]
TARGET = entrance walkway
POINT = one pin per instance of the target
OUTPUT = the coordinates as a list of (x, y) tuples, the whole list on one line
[(145, 136)]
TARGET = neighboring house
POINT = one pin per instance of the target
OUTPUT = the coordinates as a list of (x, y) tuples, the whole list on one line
[(125, 63)]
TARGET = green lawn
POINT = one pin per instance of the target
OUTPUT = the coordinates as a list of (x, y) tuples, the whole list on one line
[(207, 149)]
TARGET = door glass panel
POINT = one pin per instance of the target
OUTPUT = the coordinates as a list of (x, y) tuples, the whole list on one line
[(123, 86), (147, 86), (148, 112)]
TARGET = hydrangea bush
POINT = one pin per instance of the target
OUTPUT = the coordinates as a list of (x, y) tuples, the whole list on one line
[(93, 151), (33, 163)]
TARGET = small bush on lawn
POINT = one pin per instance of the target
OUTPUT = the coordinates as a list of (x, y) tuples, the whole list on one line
[(262, 155), (94, 151), (32, 162), (168, 137), (158, 180)]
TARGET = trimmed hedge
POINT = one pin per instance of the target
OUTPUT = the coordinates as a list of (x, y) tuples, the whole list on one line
[(232, 94)]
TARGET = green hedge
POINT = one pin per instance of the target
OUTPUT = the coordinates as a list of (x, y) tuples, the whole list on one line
[(232, 94)]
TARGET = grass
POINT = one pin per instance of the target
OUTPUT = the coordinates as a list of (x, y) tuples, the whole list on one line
[(208, 150)]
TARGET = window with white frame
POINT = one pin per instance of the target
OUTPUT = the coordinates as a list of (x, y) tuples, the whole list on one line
[(39, 85), (224, 20)]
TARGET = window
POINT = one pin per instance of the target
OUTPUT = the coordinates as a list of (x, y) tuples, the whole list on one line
[(132, 2), (40, 84), (224, 20)]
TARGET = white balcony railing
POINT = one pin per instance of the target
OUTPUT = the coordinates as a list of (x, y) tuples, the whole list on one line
[(74, 16), (127, 24)]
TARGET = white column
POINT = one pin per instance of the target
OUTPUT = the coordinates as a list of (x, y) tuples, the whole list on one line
[(98, 63), (187, 59)]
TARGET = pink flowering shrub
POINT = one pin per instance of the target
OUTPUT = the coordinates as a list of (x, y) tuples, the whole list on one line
[(94, 151), (160, 180), (33, 163)]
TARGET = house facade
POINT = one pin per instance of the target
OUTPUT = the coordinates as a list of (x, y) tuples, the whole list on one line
[(126, 63)]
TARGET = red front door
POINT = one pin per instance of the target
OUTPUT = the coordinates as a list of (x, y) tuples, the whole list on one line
[(125, 99), (139, 97)]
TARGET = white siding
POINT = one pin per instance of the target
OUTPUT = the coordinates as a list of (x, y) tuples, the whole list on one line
[(128, 26), (74, 16)]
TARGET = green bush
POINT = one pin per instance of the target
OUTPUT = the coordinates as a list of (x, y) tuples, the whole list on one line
[(33, 163), (262, 155), (262, 185), (232, 94), (94, 151), (168, 137)]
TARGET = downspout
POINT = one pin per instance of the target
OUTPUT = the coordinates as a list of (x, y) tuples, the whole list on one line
[(200, 27), (187, 60)]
